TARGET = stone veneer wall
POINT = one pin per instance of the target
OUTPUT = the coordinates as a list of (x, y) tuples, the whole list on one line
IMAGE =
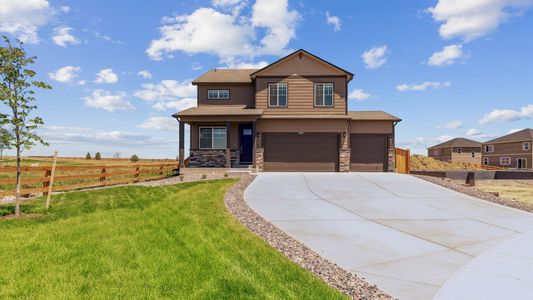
[(259, 158), (207, 158), (391, 160), (344, 160)]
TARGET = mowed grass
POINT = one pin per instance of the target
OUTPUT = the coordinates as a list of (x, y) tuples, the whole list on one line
[(145, 242)]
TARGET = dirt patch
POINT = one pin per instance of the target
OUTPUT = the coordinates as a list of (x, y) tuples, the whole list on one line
[(22, 216), (336, 277), (424, 163), (478, 193)]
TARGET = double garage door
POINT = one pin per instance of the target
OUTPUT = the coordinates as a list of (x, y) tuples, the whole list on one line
[(320, 152)]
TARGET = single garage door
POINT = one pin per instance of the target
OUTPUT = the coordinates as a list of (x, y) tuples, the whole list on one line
[(368, 153), (301, 152)]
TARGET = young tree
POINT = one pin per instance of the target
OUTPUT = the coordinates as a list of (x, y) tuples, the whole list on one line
[(134, 158), (5, 138), (97, 156), (88, 156), (16, 92)]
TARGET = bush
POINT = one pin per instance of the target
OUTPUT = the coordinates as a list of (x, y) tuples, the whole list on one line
[(204, 176), (88, 156), (97, 156), (134, 158)]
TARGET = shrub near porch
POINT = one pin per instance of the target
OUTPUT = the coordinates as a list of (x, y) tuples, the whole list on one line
[(145, 242)]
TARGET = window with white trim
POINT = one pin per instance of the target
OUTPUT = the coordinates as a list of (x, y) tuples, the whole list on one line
[(485, 160), (277, 94), (436, 152), (217, 94), (505, 160), (489, 148), (521, 163), (212, 138), (324, 94), (526, 146)]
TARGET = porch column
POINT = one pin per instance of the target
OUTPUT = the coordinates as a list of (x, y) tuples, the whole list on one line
[(228, 145), (254, 135), (181, 144)]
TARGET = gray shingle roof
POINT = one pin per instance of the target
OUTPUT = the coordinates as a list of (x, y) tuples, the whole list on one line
[(225, 76), (219, 110), (521, 135), (457, 142), (372, 116)]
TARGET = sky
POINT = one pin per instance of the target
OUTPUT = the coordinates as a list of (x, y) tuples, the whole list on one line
[(120, 69)]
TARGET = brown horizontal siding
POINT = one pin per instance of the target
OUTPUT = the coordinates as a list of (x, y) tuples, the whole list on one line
[(507, 148), (234, 134), (302, 65), (239, 95), (371, 127), (301, 125), (494, 160), (467, 149), (300, 96)]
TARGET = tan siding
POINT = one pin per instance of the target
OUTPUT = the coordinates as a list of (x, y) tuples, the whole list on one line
[(301, 65), (371, 127), (444, 155), (466, 157), (495, 160), (239, 95), (301, 126), (507, 148), (468, 149), (234, 134), (300, 91)]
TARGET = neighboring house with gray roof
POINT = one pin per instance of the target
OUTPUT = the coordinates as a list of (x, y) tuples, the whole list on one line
[(457, 150), (511, 151), (291, 115)]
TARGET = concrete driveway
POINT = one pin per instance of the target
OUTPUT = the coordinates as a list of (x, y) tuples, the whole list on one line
[(413, 239)]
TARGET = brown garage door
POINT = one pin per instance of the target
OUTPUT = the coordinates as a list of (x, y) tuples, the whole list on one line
[(368, 152), (301, 152)]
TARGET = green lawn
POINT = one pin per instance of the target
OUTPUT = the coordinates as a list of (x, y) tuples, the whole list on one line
[(145, 242)]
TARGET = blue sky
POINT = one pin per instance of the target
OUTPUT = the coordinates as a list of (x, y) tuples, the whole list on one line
[(119, 69)]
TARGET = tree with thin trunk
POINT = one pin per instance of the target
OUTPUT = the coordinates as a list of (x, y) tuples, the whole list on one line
[(16, 92), (5, 141)]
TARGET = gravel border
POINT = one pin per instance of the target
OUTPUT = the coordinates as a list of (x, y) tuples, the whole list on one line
[(472, 191), (336, 277)]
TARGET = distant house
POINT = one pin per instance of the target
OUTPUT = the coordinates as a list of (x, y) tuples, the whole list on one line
[(457, 150), (510, 151)]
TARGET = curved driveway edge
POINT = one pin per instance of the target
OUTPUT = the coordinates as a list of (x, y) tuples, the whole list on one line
[(408, 236), (332, 274)]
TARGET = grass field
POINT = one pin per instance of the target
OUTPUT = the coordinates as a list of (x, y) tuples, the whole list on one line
[(517, 190), (171, 242)]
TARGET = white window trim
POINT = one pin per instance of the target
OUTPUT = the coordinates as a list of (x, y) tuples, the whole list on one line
[(212, 137), (506, 158), (524, 146), (524, 165), (485, 161), (218, 91), (436, 151), (489, 148), (324, 94), (277, 94)]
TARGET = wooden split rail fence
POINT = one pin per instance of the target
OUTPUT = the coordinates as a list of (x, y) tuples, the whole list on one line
[(68, 178)]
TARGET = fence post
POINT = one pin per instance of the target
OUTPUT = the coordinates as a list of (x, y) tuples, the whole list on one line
[(51, 182), (103, 176), (137, 173), (160, 170), (408, 161)]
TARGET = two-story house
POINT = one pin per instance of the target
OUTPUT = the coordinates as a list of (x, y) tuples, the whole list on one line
[(291, 115), (512, 151), (457, 150)]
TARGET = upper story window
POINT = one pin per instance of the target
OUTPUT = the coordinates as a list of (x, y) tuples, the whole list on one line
[(436, 152), (217, 94), (324, 94), (277, 94), (213, 138), (459, 150), (489, 148), (526, 146)]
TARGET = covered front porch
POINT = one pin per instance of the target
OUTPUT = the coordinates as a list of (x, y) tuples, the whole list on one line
[(219, 137)]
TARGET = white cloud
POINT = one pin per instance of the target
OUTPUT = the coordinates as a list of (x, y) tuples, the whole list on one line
[(176, 106), (82, 82), (473, 132), (62, 36), (145, 74), (447, 56), (454, 124), (65, 9), (160, 123), (375, 57), (514, 130), (65, 74), (196, 66), (250, 65), (359, 94), (104, 37), (108, 101), (505, 115), (166, 90), (470, 20), (106, 76), (333, 20), (423, 86), (24, 18), (235, 6), (201, 32)]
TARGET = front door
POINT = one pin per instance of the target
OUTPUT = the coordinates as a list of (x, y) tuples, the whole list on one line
[(246, 137)]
